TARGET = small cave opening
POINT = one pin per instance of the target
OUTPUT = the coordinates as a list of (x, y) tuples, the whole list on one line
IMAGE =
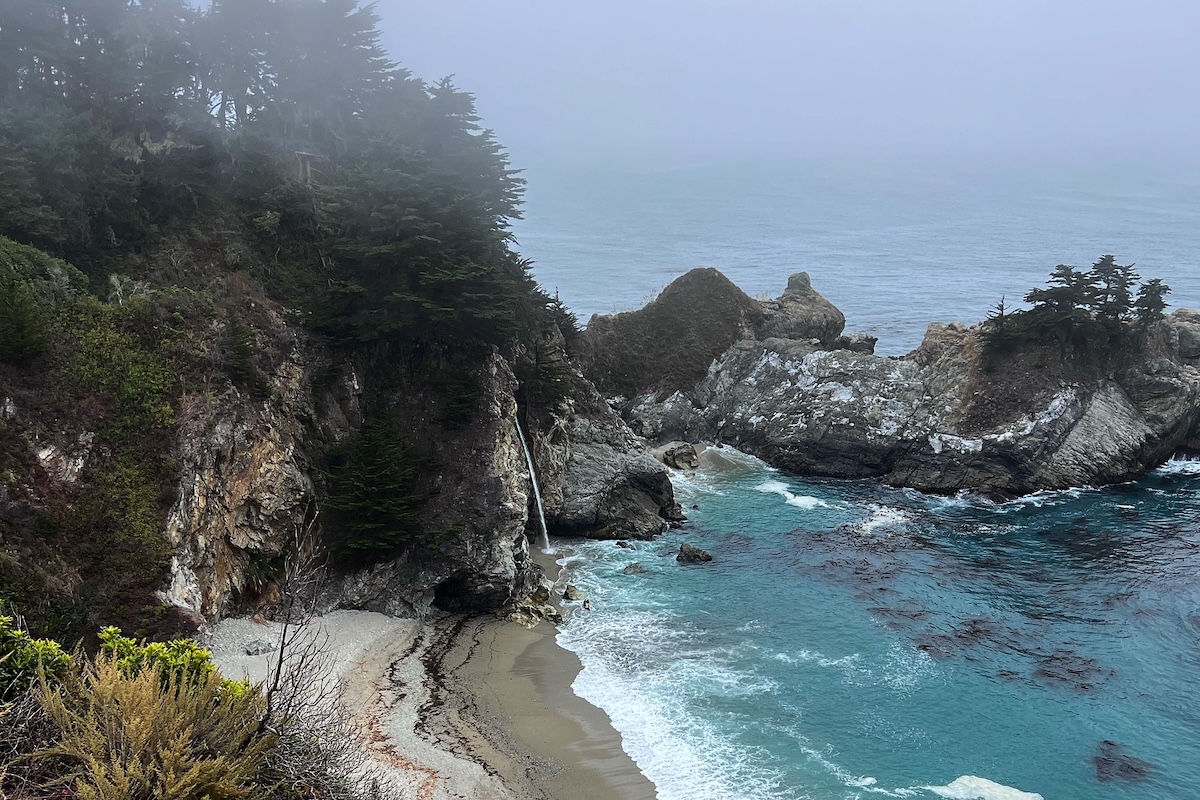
[(453, 595)]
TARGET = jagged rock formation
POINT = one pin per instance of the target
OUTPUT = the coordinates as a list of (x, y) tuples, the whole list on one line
[(800, 313), (598, 479), (250, 484), (247, 490), (943, 418), (668, 345)]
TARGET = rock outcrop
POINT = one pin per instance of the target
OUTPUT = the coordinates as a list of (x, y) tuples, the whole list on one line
[(250, 459), (597, 478), (944, 418), (690, 554), (669, 344), (800, 313)]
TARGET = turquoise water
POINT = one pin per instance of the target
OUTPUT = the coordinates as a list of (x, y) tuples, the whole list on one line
[(856, 641), (895, 246)]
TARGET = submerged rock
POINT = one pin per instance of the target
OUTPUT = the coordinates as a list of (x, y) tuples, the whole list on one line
[(1114, 764), (573, 595), (633, 569), (690, 554)]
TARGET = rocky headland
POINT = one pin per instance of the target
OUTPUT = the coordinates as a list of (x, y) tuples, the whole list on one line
[(778, 379)]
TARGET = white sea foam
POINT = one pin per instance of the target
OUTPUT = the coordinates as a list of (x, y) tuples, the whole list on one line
[(1180, 466), (1044, 499), (646, 694), (803, 501), (884, 520), (971, 787), (810, 657)]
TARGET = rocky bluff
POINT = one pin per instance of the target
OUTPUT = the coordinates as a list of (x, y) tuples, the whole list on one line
[(778, 380), (247, 482)]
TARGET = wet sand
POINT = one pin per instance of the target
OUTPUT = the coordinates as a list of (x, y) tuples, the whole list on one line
[(544, 741), (457, 707)]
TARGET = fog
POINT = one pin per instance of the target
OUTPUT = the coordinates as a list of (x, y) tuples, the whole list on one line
[(681, 79)]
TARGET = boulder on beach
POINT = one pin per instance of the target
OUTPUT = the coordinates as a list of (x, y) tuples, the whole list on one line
[(690, 554), (679, 455), (572, 594)]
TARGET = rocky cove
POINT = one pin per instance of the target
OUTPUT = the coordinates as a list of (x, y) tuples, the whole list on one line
[(701, 364), (778, 379)]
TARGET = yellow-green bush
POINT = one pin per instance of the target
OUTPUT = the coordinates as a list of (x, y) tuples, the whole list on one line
[(180, 660), (152, 735)]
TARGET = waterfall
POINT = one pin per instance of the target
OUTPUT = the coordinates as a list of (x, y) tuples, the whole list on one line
[(543, 541)]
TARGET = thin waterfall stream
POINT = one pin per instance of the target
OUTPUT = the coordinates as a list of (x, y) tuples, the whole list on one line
[(543, 541)]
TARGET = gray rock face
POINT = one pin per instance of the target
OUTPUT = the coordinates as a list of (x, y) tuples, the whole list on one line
[(244, 488), (1187, 327), (690, 554), (801, 313), (926, 421), (598, 479), (481, 500)]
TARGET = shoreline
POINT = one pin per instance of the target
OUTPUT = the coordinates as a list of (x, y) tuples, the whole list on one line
[(455, 707)]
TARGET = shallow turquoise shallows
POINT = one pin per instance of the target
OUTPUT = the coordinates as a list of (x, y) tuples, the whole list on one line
[(855, 641)]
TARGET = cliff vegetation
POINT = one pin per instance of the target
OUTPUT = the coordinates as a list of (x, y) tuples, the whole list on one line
[(242, 206)]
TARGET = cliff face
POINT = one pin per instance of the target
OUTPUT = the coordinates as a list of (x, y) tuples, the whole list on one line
[(944, 418), (247, 492), (243, 481)]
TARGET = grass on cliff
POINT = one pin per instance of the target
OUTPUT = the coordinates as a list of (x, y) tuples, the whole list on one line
[(669, 344)]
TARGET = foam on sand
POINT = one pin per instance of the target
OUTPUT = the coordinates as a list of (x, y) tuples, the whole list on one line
[(972, 787)]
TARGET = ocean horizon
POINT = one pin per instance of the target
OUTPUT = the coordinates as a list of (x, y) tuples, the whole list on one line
[(851, 640), (894, 246)]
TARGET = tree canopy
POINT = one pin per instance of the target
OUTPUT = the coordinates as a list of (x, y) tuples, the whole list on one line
[(377, 200)]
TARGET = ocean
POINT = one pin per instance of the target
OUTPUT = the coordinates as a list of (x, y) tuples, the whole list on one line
[(894, 246), (851, 640)]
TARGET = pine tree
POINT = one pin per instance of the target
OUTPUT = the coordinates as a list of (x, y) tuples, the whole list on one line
[(22, 327), (1150, 302), (372, 495)]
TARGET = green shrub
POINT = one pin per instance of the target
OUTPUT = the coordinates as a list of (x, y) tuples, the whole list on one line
[(52, 279), (22, 656), (182, 661)]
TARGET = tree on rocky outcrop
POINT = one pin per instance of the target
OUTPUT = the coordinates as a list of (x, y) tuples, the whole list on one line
[(1151, 302), (1085, 312), (1112, 290)]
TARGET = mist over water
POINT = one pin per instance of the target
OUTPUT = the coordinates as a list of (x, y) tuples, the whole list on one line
[(894, 245)]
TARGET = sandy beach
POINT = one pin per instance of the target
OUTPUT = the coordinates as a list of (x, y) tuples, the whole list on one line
[(457, 707)]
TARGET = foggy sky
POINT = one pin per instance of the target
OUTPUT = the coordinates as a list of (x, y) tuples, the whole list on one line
[(718, 78)]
